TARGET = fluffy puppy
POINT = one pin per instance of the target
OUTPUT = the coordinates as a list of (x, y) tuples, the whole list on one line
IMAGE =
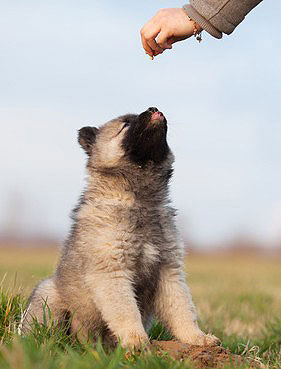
[(122, 264)]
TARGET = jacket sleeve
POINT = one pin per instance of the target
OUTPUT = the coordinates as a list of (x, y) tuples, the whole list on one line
[(219, 16)]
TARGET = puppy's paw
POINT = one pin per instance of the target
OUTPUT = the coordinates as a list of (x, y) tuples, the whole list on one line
[(135, 340), (211, 340), (202, 339)]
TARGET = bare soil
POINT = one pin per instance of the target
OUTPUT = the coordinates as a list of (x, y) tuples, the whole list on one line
[(202, 357)]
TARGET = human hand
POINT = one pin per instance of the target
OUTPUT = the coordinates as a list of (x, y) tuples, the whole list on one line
[(165, 28)]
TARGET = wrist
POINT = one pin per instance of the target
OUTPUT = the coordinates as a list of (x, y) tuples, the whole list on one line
[(197, 29)]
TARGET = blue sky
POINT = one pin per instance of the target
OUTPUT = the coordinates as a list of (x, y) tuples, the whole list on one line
[(67, 64)]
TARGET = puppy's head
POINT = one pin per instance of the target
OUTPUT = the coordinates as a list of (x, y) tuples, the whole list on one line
[(138, 139)]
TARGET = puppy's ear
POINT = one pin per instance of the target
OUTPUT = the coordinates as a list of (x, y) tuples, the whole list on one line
[(87, 137)]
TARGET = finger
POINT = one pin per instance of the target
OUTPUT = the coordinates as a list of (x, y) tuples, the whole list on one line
[(154, 46), (148, 33), (162, 40), (146, 47), (168, 46), (170, 42)]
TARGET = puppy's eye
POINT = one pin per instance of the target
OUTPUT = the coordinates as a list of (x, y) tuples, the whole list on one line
[(126, 125)]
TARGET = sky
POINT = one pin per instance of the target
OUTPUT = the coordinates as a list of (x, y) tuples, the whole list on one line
[(67, 64)]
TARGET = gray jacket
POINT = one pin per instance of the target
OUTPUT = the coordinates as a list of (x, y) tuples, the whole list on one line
[(219, 16)]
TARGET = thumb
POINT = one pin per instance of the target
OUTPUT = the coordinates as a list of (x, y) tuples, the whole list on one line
[(163, 40)]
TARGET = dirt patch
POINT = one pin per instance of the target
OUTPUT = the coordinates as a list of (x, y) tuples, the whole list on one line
[(203, 357)]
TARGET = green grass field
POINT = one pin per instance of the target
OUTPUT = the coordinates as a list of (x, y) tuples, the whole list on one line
[(238, 298)]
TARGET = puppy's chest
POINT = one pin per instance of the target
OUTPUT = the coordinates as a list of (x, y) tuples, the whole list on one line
[(144, 264), (147, 243)]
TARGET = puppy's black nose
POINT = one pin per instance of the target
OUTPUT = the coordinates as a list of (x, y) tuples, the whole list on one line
[(152, 110)]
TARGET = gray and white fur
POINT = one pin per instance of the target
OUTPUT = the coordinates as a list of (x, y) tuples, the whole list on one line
[(122, 264)]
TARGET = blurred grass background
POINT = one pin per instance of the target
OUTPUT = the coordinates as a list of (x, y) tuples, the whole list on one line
[(237, 295), (233, 293)]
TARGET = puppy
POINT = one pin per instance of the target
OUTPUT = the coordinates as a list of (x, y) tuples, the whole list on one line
[(122, 264)]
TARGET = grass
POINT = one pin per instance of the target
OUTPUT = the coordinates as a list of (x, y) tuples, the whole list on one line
[(238, 299)]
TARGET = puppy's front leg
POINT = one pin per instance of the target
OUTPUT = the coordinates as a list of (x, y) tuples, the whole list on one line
[(174, 307), (114, 297)]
